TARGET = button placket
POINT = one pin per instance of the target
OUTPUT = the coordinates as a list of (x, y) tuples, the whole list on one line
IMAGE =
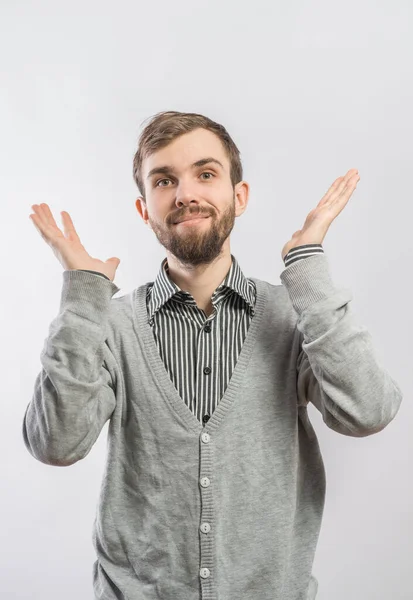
[(205, 526)]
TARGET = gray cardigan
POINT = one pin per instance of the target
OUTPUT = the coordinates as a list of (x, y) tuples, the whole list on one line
[(227, 511)]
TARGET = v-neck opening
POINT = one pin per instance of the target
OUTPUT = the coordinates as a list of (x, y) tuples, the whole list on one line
[(161, 376)]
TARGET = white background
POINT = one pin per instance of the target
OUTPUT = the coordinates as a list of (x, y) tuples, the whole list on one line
[(307, 90)]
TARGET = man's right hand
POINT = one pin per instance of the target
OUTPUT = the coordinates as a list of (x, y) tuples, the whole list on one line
[(67, 247)]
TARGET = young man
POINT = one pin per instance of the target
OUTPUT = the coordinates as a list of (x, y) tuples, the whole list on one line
[(214, 485)]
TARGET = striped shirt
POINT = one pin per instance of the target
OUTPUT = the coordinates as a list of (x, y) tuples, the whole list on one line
[(192, 345)]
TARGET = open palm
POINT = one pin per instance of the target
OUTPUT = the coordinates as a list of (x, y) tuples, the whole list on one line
[(67, 246)]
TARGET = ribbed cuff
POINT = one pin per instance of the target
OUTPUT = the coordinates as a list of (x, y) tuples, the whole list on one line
[(308, 281), (86, 294)]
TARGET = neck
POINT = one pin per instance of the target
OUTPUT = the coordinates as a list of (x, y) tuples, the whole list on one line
[(200, 281)]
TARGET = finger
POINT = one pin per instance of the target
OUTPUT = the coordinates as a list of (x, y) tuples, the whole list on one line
[(48, 214), (338, 187), (39, 221), (41, 218), (338, 182), (338, 191), (48, 226), (45, 215), (69, 227), (339, 200), (331, 189), (351, 172), (39, 226), (349, 188)]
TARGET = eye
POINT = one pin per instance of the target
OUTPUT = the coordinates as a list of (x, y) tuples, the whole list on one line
[(158, 182), (167, 179)]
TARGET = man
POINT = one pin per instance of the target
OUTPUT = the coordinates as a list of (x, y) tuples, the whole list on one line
[(214, 484)]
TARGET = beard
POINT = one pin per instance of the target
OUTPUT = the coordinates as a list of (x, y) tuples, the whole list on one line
[(199, 243)]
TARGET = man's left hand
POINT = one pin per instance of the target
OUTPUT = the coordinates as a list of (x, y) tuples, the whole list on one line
[(320, 218)]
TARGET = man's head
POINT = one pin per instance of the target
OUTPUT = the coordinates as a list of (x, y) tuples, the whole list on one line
[(174, 187)]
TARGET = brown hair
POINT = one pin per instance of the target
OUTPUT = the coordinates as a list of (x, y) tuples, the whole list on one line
[(168, 125)]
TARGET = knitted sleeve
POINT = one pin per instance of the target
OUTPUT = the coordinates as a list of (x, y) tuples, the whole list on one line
[(74, 393), (338, 369)]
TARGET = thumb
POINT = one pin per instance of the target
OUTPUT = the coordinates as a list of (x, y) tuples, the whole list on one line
[(113, 260)]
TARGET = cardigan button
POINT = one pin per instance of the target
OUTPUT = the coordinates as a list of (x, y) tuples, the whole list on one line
[(205, 573)]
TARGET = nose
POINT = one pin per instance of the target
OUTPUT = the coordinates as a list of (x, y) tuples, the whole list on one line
[(185, 196), (187, 200)]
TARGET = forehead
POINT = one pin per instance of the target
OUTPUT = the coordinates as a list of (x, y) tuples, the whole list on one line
[(185, 150)]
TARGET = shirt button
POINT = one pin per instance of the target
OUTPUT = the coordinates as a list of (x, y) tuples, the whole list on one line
[(205, 437), (207, 328), (205, 482), (205, 418), (207, 370)]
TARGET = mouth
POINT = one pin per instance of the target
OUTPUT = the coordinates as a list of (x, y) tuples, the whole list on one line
[(191, 220)]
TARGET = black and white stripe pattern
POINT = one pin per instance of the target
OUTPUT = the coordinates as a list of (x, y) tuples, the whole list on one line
[(200, 353), (302, 252)]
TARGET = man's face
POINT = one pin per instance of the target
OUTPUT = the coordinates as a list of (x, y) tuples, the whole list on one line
[(183, 190)]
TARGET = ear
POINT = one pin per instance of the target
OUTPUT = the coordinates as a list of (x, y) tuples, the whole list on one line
[(241, 192), (142, 210)]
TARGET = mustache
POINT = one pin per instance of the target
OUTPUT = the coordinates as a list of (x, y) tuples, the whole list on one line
[(183, 215)]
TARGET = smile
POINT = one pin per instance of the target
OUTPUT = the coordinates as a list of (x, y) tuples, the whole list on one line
[(191, 221)]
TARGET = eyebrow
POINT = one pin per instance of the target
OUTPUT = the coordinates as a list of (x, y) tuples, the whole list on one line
[(166, 169)]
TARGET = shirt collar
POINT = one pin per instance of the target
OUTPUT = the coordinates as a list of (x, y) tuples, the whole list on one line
[(163, 288)]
